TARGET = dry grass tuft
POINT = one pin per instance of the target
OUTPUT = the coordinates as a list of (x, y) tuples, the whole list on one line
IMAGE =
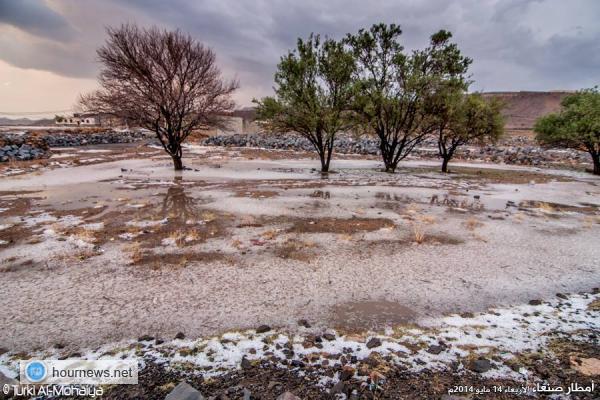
[(418, 233), (590, 220), (296, 250), (86, 235), (208, 216), (135, 252), (270, 234), (428, 219), (546, 207), (472, 224), (594, 305)]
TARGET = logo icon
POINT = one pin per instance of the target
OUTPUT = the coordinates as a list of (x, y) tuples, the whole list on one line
[(35, 371)]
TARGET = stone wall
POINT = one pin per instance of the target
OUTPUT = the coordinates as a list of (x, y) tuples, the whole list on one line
[(23, 146), (512, 150)]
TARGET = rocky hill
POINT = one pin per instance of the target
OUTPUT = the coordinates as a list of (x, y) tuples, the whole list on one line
[(523, 108)]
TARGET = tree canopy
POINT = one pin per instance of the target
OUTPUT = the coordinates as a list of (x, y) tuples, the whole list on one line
[(162, 80), (576, 126), (392, 87), (466, 118), (312, 94)]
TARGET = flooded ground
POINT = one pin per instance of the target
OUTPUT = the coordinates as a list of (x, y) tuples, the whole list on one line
[(118, 245)]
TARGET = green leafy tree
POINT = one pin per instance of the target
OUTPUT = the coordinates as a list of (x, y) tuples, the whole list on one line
[(312, 94), (576, 126), (463, 119), (392, 87)]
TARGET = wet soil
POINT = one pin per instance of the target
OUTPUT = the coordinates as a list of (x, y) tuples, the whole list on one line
[(365, 315)]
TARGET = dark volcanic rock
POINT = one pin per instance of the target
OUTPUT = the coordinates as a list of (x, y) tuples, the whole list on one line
[(263, 329), (374, 342), (180, 335), (480, 365), (328, 336), (435, 349)]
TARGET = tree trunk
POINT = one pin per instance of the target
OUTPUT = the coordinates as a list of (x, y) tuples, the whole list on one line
[(388, 160), (177, 162), (445, 164), (596, 158), (324, 161)]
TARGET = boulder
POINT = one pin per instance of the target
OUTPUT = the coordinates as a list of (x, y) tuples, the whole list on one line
[(480, 365), (288, 396), (373, 342), (184, 391), (586, 366), (263, 329)]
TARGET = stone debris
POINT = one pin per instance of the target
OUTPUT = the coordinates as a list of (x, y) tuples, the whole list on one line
[(22, 147), (288, 396), (373, 342), (28, 146), (586, 366), (184, 391), (263, 329), (517, 150), (480, 365)]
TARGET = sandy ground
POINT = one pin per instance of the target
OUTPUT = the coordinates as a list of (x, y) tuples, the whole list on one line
[(115, 250)]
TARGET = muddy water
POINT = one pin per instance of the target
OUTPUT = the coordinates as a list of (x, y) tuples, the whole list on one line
[(366, 315)]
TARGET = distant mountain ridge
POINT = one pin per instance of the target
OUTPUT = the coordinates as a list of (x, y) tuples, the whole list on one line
[(25, 121), (522, 109)]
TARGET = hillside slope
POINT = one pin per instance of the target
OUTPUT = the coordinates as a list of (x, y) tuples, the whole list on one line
[(523, 108)]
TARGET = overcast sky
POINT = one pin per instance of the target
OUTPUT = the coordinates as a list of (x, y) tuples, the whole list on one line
[(47, 48)]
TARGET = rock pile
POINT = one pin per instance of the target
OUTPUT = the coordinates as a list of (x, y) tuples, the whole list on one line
[(343, 144), (64, 139), (518, 150), (22, 147)]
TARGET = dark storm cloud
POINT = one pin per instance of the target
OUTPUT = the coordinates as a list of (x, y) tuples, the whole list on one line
[(36, 18), (516, 44)]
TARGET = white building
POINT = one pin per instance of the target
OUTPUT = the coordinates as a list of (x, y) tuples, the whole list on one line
[(79, 119)]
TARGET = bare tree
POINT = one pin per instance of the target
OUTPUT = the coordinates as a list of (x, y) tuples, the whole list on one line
[(162, 80)]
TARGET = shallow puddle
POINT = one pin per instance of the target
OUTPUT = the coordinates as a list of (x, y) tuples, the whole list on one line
[(365, 315)]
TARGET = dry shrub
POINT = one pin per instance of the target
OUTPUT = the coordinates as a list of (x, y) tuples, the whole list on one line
[(270, 234), (86, 235), (418, 233), (192, 235), (428, 219), (546, 207), (589, 221), (519, 217), (296, 250), (413, 208), (472, 224), (178, 237), (135, 252), (208, 216)]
